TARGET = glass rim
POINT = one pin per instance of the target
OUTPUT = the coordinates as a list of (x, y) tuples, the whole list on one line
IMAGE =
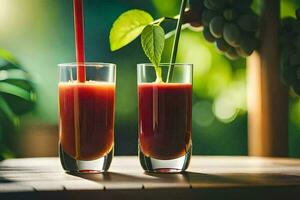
[(87, 64), (166, 64)]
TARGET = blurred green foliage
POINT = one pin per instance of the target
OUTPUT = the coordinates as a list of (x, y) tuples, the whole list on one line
[(40, 34), (17, 96)]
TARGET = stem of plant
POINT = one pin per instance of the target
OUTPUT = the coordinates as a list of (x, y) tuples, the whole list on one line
[(158, 74), (160, 20), (176, 41)]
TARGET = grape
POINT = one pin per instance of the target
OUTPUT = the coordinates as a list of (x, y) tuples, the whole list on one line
[(241, 52), (247, 47), (285, 38), (243, 4), (207, 35), (229, 14), (207, 16), (214, 4), (232, 34), (232, 24), (208, 5), (244, 53), (222, 45), (248, 22), (193, 15), (216, 26), (192, 18), (288, 24), (231, 2), (285, 56), (298, 13), (197, 5), (289, 31), (290, 51), (231, 53)]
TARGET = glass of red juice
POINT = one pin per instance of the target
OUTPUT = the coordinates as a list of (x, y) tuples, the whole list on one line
[(165, 118), (86, 117)]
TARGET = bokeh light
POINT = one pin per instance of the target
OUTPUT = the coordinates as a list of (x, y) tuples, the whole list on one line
[(203, 115)]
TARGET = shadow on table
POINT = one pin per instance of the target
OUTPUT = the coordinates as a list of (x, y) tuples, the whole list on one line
[(241, 179), (191, 179), (199, 178), (3, 180), (186, 178), (110, 177)]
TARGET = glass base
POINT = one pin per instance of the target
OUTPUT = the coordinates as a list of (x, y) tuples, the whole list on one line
[(72, 165), (176, 165)]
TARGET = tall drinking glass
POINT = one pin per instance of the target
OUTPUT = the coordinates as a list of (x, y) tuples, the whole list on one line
[(165, 118), (86, 117)]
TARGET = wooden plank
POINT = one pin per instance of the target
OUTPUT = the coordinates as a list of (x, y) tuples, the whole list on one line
[(44, 185), (31, 164), (166, 181), (219, 164), (14, 187), (146, 180), (205, 173), (81, 185), (240, 180), (264, 193), (115, 180), (22, 176), (128, 163)]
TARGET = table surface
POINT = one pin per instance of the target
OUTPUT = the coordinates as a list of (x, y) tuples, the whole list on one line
[(207, 176)]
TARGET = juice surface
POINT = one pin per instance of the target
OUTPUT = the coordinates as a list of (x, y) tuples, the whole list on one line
[(86, 118), (165, 114)]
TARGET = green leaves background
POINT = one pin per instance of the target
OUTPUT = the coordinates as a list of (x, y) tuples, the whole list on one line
[(17, 95)]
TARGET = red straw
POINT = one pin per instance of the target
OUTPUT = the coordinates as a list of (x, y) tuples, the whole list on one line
[(79, 34)]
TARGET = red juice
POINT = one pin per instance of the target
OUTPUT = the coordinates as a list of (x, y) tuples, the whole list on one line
[(165, 114), (86, 118)]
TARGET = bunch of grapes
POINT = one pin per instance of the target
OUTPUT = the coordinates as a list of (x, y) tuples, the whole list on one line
[(231, 24), (290, 51)]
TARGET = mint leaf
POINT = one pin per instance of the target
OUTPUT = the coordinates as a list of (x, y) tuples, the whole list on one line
[(153, 41), (127, 27)]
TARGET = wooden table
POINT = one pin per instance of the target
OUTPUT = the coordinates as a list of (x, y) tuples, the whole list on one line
[(207, 177)]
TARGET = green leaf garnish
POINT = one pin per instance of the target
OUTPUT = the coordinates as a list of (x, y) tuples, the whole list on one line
[(127, 27), (153, 41)]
